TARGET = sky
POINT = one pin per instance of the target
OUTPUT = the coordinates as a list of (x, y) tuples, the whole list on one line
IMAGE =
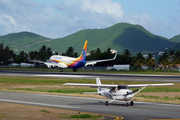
[(60, 18)]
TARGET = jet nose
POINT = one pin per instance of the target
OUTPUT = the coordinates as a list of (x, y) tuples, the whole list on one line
[(51, 57)]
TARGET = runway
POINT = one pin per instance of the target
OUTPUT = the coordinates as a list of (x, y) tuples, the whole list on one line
[(74, 75), (140, 110)]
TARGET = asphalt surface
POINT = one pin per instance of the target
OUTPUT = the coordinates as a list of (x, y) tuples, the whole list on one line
[(140, 110), (74, 75)]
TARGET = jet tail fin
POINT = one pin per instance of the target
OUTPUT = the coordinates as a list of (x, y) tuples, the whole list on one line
[(82, 57)]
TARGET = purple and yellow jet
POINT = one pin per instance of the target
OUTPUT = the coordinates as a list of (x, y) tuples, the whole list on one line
[(70, 62)]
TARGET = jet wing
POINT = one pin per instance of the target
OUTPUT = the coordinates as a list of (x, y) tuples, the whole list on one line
[(61, 65), (95, 61), (36, 61), (146, 85), (92, 85)]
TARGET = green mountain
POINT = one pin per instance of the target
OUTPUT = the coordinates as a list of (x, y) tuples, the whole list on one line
[(176, 39), (175, 47), (24, 41), (119, 37)]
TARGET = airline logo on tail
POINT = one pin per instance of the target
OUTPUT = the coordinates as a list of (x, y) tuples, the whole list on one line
[(84, 51)]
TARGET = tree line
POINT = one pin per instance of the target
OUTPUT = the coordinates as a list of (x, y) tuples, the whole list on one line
[(167, 59)]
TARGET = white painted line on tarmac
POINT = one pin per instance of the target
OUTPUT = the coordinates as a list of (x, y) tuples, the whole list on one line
[(162, 104), (146, 75), (61, 76), (32, 103), (75, 97)]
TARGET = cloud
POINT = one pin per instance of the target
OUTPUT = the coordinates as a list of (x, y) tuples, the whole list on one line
[(88, 14), (59, 20), (103, 7), (157, 27), (70, 16), (145, 21), (15, 15)]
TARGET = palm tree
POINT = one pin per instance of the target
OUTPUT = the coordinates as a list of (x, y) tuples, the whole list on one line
[(138, 60), (164, 60), (150, 61), (98, 50), (126, 56), (108, 50), (177, 57), (92, 52), (127, 52)]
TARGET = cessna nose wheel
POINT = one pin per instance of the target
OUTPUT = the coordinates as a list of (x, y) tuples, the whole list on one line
[(131, 103), (106, 103)]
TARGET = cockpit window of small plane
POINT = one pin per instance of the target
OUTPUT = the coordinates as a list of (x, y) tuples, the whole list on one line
[(122, 87)]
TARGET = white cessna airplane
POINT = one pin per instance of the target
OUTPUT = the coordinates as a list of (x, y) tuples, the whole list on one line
[(64, 61), (117, 92)]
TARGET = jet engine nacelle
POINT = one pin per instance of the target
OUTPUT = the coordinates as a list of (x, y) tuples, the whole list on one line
[(50, 66)]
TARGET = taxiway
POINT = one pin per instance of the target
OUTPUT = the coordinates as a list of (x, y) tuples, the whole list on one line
[(140, 110), (122, 77)]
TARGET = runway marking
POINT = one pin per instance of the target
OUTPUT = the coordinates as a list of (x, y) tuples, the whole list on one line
[(165, 119), (32, 103), (145, 75), (154, 109), (88, 98), (175, 105), (66, 76)]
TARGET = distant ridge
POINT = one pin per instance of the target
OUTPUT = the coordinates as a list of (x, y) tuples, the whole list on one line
[(119, 37), (176, 39), (23, 41)]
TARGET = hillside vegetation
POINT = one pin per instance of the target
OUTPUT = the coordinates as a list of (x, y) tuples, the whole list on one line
[(119, 37), (176, 47), (24, 41), (176, 39)]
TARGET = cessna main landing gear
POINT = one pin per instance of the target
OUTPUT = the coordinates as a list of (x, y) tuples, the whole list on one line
[(131, 103), (106, 103), (127, 103)]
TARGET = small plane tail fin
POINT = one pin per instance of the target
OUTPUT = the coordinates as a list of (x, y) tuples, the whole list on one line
[(98, 81), (82, 57)]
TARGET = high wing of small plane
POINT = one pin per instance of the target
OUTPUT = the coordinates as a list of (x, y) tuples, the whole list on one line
[(64, 61), (117, 92)]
